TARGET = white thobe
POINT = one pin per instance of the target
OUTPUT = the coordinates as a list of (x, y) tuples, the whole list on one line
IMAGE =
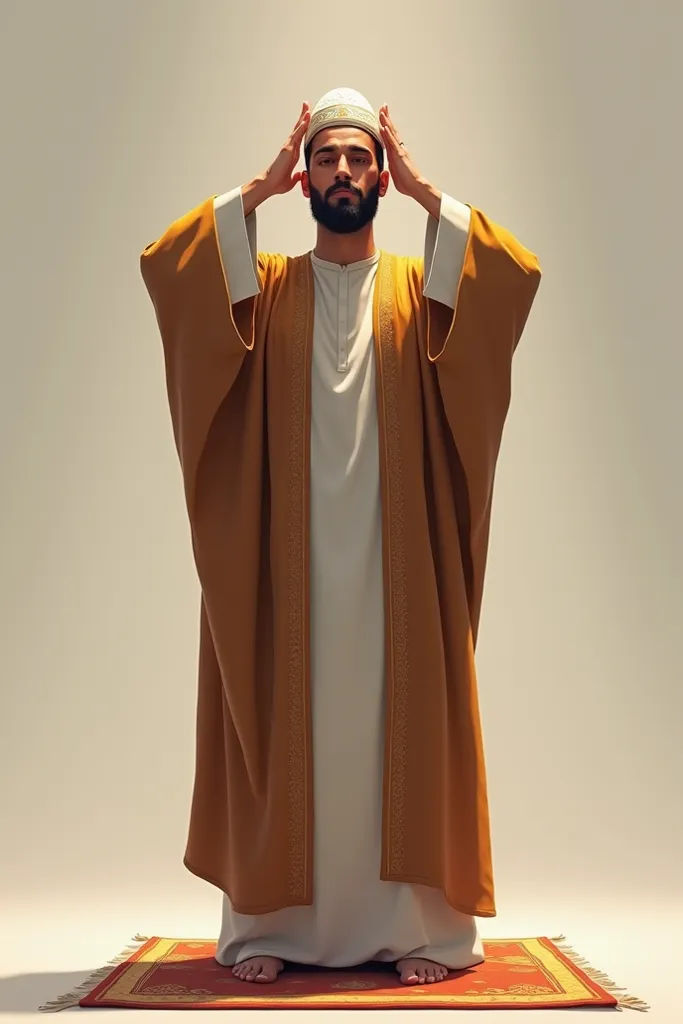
[(355, 916)]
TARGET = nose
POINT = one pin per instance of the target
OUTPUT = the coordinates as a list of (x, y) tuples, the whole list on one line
[(343, 170)]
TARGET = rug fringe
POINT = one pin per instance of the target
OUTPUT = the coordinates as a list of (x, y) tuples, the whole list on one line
[(73, 998), (624, 1001)]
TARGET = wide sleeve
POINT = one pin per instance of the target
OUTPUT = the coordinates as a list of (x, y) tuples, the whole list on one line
[(481, 286), (478, 278), (206, 331)]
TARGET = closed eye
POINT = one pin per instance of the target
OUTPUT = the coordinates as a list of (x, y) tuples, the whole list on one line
[(354, 159)]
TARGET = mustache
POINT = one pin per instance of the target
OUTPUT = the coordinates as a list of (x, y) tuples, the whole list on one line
[(344, 188)]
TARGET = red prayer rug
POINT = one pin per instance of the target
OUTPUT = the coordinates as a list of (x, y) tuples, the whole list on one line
[(182, 974)]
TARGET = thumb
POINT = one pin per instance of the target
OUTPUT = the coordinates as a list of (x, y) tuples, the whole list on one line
[(296, 178)]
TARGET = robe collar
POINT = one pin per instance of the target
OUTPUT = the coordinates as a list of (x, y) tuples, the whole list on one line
[(349, 267)]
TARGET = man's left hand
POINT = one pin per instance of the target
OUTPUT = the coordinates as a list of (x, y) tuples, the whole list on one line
[(404, 174)]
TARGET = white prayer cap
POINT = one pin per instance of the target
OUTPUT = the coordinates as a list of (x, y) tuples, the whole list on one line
[(343, 107)]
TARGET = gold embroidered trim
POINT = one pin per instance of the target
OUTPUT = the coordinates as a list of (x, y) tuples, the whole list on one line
[(399, 665), (297, 589), (354, 116)]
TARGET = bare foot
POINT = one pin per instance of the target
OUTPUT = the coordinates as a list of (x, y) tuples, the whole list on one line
[(415, 971), (262, 969)]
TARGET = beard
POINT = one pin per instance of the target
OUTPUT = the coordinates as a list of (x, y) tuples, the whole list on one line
[(346, 215)]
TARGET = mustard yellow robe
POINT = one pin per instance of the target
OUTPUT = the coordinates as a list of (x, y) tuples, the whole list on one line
[(238, 378)]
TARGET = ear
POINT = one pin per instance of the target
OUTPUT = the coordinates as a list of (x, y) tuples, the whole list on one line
[(384, 180), (306, 184)]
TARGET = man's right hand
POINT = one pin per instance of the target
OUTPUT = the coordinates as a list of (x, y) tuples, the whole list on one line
[(281, 176)]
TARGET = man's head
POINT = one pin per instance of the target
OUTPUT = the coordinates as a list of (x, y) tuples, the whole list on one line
[(344, 178), (343, 150)]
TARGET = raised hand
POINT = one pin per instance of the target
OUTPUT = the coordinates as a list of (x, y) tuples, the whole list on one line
[(281, 176), (404, 173)]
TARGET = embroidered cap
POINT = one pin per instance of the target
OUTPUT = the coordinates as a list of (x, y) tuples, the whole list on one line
[(343, 107)]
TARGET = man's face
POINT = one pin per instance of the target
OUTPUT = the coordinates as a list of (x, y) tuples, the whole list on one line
[(344, 183)]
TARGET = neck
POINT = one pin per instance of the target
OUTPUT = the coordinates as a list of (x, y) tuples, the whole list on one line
[(345, 249)]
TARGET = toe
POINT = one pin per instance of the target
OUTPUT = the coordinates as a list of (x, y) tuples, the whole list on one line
[(264, 973), (408, 973), (421, 972)]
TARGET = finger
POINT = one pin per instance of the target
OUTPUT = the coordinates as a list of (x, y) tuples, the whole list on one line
[(384, 114), (297, 137), (389, 140), (391, 133), (304, 118), (395, 133), (297, 124), (302, 128), (299, 129)]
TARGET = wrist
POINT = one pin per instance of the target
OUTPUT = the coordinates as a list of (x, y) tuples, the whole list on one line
[(254, 193), (428, 196)]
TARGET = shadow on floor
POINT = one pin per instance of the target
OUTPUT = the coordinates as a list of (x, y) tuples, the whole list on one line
[(25, 993)]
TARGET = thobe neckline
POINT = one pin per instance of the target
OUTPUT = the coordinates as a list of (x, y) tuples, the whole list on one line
[(339, 267)]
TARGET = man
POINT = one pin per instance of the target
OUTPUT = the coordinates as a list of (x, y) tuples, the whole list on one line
[(338, 417)]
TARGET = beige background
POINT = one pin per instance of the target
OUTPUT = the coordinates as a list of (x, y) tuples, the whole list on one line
[(562, 121)]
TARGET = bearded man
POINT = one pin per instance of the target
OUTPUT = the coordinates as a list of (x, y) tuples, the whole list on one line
[(338, 417)]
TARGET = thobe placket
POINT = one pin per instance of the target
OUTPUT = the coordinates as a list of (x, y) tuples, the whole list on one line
[(343, 336)]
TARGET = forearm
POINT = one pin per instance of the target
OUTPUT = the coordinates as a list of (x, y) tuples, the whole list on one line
[(254, 194), (428, 197)]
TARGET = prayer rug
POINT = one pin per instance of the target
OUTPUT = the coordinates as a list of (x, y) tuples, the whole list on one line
[(182, 974)]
